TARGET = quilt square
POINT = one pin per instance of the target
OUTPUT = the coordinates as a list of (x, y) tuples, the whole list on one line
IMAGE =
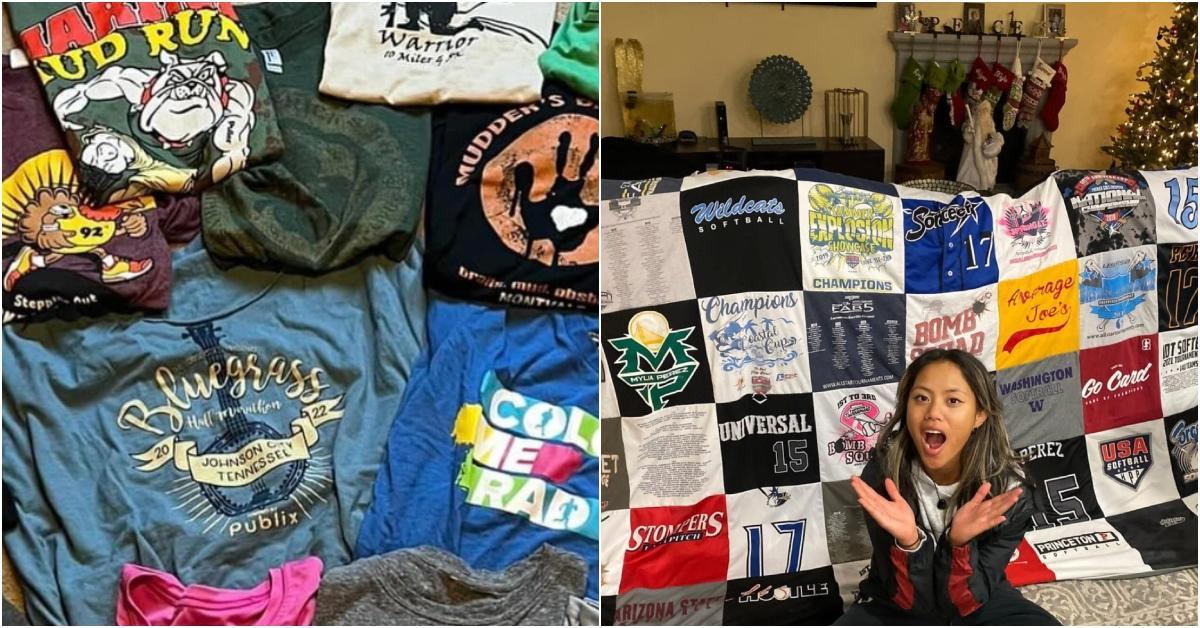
[(756, 344), (854, 339), (1109, 210), (1117, 296), (849, 422), (1039, 315), (614, 473), (1042, 400), (1089, 549), (768, 443), (1131, 467), (656, 357), (734, 218), (1032, 232), (645, 258), (673, 456), (803, 598), (1120, 383), (1181, 438), (776, 531), (675, 546), (1178, 369), (1064, 492), (695, 605), (949, 242), (851, 238), (1145, 528), (1177, 278), (1174, 196), (964, 320)]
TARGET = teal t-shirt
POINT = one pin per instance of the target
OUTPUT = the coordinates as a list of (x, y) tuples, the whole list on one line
[(574, 54), (241, 430)]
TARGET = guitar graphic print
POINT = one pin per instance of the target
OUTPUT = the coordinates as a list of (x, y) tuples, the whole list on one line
[(277, 484)]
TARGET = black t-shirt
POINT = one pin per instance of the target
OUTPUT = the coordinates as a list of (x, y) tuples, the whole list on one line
[(513, 203)]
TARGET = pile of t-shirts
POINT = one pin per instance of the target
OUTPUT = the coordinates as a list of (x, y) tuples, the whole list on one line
[(214, 434)]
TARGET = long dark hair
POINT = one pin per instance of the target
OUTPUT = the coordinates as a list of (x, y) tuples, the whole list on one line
[(987, 455)]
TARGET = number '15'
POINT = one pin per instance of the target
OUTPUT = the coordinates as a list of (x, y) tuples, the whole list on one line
[(1187, 215)]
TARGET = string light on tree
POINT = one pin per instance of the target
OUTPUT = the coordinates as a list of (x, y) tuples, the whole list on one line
[(1161, 130)]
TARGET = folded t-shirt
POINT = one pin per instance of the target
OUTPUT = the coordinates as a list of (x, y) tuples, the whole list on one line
[(352, 178), (66, 255), (288, 597), (415, 53), (573, 57), (429, 586), (495, 449), (513, 203), (153, 96)]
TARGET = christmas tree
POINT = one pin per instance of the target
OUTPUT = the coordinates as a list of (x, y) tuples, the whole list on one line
[(1161, 130)]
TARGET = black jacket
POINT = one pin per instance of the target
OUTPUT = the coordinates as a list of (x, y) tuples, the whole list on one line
[(945, 583)]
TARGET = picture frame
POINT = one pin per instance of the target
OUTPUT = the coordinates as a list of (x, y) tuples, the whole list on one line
[(973, 18), (906, 17), (1054, 16)]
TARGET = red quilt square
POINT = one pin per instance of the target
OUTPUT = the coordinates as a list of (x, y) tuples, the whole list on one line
[(673, 546), (1120, 383)]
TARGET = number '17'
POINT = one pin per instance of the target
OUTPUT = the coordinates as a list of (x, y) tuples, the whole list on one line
[(754, 541)]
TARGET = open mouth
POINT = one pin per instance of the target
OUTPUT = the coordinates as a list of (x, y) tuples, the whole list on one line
[(933, 440)]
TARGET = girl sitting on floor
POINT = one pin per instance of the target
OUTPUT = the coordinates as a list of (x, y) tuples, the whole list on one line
[(946, 504)]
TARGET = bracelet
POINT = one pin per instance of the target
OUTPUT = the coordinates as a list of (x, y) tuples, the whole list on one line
[(50, 227), (915, 545)]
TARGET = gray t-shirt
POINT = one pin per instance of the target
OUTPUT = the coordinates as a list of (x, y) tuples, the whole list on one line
[(428, 586)]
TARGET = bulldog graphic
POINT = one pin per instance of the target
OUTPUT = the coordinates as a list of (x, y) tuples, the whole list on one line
[(185, 106)]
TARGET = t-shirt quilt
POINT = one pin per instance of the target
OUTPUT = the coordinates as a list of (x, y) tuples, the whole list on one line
[(743, 390)]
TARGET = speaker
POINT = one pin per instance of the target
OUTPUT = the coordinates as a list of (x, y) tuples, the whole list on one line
[(722, 124)]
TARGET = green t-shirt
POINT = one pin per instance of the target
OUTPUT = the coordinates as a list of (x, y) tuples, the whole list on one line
[(153, 97), (352, 178), (574, 54)]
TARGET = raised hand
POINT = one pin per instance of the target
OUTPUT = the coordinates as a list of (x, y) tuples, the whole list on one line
[(892, 513), (559, 220), (980, 515)]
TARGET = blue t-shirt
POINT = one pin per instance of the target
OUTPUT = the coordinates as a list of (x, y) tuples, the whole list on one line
[(495, 449), (240, 431)]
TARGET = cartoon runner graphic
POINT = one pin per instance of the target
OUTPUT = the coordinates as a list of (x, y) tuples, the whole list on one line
[(43, 205), (183, 108), (568, 508)]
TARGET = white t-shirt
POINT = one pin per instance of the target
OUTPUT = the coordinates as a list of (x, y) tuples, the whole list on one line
[(928, 495), (935, 519), (429, 53)]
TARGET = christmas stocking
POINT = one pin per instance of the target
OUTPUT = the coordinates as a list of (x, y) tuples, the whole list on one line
[(906, 96), (1057, 97), (954, 80), (978, 81), (1013, 103), (1035, 85), (1002, 80), (935, 78)]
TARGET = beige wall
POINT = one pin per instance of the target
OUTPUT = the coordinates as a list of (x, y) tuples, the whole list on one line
[(703, 52)]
